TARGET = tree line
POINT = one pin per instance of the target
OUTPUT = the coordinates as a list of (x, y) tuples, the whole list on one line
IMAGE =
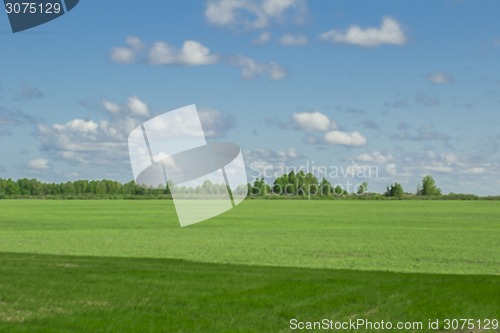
[(25, 188), (293, 185), (301, 185)]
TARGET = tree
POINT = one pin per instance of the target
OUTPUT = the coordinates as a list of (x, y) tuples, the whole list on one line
[(308, 183), (325, 188), (339, 191), (363, 188), (260, 187), (282, 185), (395, 190), (429, 186)]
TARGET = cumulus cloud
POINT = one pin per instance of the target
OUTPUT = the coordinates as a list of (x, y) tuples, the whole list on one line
[(294, 40), (311, 121), (322, 130), (391, 169), (375, 157), (134, 42), (345, 138), (137, 107), (263, 38), (122, 55), (38, 164), (439, 78), (95, 141), (305, 121), (127, 54), (105, 141), (476, 170), (192, 53), (83, 141), (251, 69), (110, 106), (269, 163), (389, 32), (248, 14)]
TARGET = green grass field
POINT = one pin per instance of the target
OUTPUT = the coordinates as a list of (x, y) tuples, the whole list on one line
[(127, 266)]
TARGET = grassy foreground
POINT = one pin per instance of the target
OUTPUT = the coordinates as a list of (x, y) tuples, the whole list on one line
[(452, 237), (45, 293), (127, 266)]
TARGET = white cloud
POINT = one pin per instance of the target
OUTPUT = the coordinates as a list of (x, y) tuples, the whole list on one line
[(263, 38), (83, 141), (311, 121), (250, 14), (127, 55), (437, 167), (134, 42), (389, 32), (95, 141), (292, 153), (293, 40), (439, 78), (251, 69), (476, 170), (270, 163), (78, 125), (105, 141), (192, 53), (391, 169), (137, 107), (375, 157), (122, 55), (110, 106), (38, 164), (345, 138)]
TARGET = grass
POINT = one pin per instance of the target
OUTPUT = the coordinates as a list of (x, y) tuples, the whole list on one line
[(452, 237), (127, 266), (45, 293)]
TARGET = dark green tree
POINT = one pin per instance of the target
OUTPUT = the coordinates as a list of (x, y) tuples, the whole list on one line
[(325, 188), (395, 190), (363, 188), (429, 186)]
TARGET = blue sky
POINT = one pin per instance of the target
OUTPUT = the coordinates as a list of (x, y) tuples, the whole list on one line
[(410, 88)]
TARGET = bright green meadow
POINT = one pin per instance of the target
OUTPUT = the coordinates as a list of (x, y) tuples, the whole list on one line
[(127, 265)]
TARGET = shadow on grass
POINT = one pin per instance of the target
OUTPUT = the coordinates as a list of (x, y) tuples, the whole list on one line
[(47, 293)]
